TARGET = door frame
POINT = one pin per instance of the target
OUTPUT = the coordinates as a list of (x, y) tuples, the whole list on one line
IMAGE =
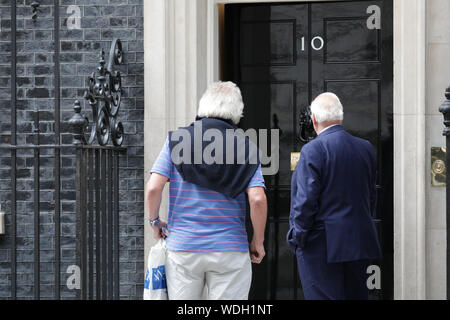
[(182, 50)]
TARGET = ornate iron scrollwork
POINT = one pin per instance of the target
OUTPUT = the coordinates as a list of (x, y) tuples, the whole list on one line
[(104, 95), (35, 8), (307, 132)]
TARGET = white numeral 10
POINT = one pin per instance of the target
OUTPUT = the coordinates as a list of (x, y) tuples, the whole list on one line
[(317, 43)]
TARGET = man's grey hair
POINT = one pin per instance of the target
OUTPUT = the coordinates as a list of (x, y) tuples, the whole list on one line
[(327, 107), (222, 100)]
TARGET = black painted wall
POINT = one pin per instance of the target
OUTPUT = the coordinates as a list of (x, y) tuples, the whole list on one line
[(100, 22)]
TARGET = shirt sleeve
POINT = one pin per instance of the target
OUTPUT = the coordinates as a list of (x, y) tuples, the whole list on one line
[(163, 164), (305, 189), (257, 180)]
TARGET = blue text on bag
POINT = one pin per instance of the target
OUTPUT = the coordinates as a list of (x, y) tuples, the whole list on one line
[(159, 278), (147, 280)]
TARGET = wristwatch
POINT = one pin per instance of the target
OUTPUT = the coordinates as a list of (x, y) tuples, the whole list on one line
[(154, 223)]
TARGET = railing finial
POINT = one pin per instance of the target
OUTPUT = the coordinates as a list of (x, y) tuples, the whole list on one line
[(78, 123)]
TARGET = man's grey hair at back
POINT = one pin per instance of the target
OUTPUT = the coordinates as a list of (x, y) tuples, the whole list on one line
[(327, 107), (222, 100)]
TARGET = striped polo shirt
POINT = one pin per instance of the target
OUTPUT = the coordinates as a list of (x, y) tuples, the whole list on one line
[(200, 219)]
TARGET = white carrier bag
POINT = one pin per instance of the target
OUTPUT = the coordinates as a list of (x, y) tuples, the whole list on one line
[(155, 285)]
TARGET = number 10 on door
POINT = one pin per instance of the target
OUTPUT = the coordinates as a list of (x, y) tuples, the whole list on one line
[(317, 43)]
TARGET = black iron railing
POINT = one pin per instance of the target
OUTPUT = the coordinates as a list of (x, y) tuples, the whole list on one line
[(97, 177), (98, 221)]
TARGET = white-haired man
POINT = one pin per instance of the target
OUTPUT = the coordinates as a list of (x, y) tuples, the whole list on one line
[(207, 242), (332, 203)]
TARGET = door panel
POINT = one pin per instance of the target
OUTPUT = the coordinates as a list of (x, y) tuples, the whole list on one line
[(281, 49), (360, 120), (273, 77), (275, 106), (348, 40), (282, 56), (356, 64)]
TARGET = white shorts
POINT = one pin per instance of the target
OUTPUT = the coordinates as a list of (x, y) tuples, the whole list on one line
[(211, 276)]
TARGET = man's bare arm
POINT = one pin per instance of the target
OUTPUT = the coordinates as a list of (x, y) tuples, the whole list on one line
[(153, 195), (258, 214)]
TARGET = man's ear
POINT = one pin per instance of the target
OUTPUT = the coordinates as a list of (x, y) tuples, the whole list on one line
[(313, 118)]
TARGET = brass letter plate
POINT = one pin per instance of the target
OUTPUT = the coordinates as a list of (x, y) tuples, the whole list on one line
[(438, 167), (295, 157)]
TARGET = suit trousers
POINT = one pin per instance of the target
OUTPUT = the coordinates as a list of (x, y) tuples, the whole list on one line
[(210, 276), (329, 281)]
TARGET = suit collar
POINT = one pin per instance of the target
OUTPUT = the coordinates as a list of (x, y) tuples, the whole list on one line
[(331, 130)]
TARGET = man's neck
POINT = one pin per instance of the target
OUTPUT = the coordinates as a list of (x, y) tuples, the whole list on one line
[(328, 126)]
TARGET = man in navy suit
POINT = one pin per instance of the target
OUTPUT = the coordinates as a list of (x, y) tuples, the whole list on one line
[(332, 203)]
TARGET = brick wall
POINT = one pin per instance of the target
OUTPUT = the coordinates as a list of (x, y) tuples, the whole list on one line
[(100, 22)]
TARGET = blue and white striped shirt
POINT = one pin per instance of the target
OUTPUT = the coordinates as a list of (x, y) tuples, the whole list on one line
[(200, 219)]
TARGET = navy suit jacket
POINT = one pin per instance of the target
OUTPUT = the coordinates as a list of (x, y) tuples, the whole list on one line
[(334, 189)]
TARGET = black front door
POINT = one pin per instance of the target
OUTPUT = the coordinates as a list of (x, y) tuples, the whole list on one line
[(282, 56)]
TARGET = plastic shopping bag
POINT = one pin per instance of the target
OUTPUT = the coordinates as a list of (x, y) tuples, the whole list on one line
[(155, 285)]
